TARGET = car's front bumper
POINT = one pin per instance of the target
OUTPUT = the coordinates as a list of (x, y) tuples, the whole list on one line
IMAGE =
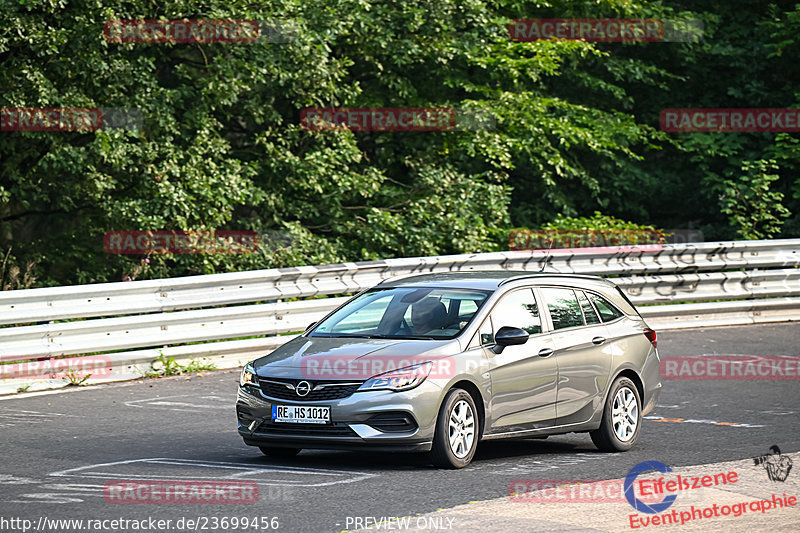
[(375, 420)]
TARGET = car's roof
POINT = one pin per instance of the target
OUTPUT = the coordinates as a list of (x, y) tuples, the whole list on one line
[(489, 279)]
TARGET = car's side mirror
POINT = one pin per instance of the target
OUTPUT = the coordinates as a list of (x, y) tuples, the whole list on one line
[(508, 336)]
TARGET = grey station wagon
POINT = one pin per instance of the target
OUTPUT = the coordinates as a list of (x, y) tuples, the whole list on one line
[(438, 362)]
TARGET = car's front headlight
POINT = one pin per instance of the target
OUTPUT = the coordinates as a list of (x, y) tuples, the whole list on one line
[(400, 379), (248, 376)]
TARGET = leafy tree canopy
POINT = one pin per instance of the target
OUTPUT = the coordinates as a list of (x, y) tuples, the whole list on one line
[(574, 129)]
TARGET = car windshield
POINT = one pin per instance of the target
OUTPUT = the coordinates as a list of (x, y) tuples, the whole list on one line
[(404, 313)]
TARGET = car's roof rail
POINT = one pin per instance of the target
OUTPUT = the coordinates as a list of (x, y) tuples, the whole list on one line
[(548, 274)]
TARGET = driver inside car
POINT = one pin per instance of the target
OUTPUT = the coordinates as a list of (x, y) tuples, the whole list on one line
[(427, 315)]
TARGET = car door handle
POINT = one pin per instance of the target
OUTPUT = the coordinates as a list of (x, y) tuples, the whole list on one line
[(545, 352), (598, 340)]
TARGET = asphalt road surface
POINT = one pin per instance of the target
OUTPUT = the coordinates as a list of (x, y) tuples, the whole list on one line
[(60, 449)]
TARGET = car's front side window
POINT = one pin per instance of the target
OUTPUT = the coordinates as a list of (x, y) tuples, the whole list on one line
[(518, 309), (486, 334)]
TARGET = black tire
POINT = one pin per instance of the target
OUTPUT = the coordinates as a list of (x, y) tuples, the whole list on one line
[(276, 451), (442, 455), (605, 437)]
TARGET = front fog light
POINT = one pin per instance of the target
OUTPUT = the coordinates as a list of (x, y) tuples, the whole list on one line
[(248, 376), (400, 379)]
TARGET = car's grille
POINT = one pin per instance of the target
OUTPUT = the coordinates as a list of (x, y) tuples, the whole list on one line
[(306, 430), (275, 388)]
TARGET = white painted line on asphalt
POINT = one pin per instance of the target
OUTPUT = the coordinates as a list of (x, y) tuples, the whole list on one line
[(261, 474), (78, 487), (10, 419), (189, 403), (23, 395), (249, 469), (656, 418), (8, 479), (47, 497), (524, 465)]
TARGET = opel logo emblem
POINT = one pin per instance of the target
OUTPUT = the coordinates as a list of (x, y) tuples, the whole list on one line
[(303, 388)]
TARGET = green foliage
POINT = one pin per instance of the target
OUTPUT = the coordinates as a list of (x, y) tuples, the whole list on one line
[(221, 147), (74, 378), (752, 207), (597, 222), (168, 366), (12, 276), (579, 232), (198, 365)]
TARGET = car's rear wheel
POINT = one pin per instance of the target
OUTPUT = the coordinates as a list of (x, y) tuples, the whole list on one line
[(456, 436), (622, 418), (277, 451)]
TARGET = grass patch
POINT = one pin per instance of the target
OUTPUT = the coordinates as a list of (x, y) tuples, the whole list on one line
[(164, 366)]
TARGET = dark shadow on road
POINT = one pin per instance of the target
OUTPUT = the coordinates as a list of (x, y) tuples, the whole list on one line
[(560, 445)]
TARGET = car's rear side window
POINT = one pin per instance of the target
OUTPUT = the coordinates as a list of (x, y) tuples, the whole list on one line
[(607, 311), (588, 311), (564, 308)]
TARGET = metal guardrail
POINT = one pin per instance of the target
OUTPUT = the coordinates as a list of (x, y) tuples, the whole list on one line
[(720, 284), (136, 297)]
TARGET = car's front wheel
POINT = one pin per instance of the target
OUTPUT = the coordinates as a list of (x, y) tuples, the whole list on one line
[(622, 418), (456, 435), (277, 451)]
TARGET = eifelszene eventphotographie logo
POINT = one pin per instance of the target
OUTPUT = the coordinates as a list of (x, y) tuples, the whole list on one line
[(777, 466)]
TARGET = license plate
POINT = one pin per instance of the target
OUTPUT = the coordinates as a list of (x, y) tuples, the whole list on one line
[(301, 414)]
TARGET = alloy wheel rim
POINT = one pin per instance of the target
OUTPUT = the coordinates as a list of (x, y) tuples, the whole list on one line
[(625, 414), (461, 429)]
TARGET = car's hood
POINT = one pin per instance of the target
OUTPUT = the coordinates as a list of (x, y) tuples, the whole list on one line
[(348, 358)]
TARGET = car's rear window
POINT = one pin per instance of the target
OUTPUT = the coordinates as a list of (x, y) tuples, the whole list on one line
[(404, 313)]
